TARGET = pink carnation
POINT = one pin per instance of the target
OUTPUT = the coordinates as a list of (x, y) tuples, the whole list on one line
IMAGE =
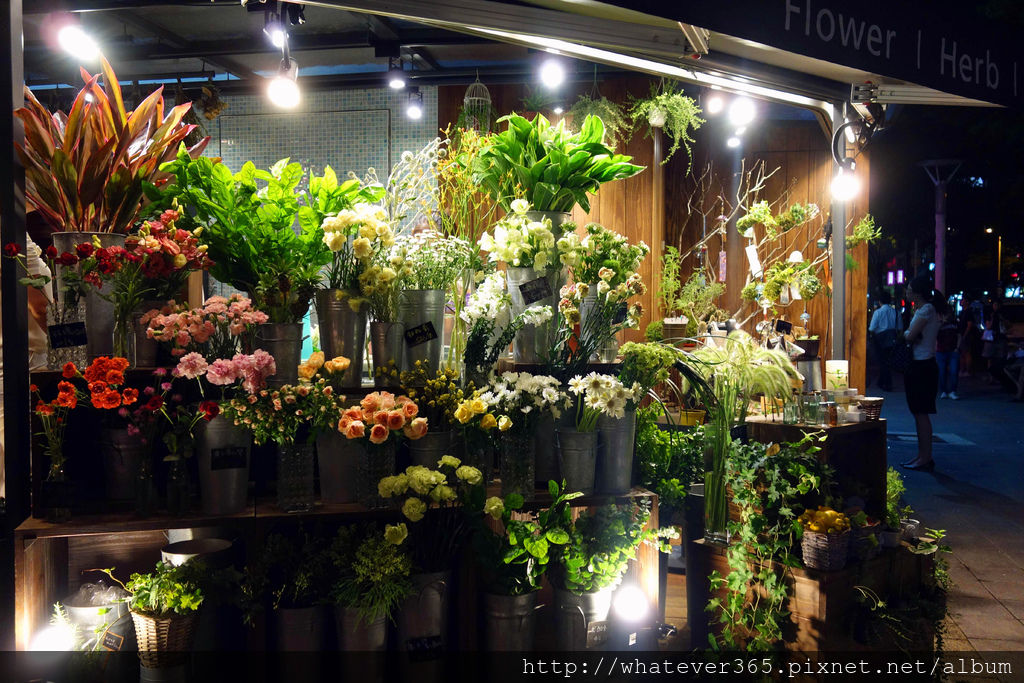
[(192, 365), (222, 372)]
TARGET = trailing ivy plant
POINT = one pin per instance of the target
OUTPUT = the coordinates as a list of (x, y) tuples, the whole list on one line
[(769, 485), (617, 128), (681, 114)]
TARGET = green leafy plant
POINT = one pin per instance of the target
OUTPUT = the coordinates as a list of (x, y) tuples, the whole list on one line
[(931, 544), (770, 484), (655, 331), (669, 460), (681, 115), (894, 490), (864, 231), (549, 166), (760, 213), (513, 557), (167, 590), (85, 171), (373, 573), (291, 571), (617, 127), (647, 365), (696, 300), (536, 100), (670, 282)]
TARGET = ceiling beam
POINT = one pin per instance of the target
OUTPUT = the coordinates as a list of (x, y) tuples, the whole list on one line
[(45, 6), (425, 58)]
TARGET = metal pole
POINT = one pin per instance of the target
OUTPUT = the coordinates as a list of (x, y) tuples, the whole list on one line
[(940, 235), (13, 314), (838, 218)]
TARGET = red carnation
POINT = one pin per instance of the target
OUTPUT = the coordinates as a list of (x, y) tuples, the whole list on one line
[(84, 249), (51, 252), (155, 403), (209, 409), (67, 259)]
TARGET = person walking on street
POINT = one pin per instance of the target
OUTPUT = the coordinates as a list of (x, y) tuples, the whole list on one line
[(921, 380), (970, 336), (994, 336), (885, 334), (947, 355)]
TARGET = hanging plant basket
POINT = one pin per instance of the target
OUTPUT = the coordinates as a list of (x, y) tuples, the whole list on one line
[(671, 111)]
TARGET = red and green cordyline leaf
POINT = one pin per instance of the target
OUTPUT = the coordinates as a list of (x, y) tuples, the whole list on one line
[(85, 170)]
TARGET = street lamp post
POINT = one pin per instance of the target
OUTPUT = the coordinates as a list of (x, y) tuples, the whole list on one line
[(999, 256)]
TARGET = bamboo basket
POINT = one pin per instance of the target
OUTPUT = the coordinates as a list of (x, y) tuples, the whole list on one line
[(825, 552), (164, 641), (871, 407)]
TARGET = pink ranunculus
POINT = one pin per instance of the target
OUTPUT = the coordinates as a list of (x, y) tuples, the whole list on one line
[(396, 419), (192, 365), (356, 430), (379, 434), (416, 429)]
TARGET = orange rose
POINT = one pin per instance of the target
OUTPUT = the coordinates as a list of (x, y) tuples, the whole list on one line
[(353, 414), (416, 429), (410, 410), (396, 419), (343, 424), (356, 430), (130, 396), (370, 403), (379, 433), (387, 400), (380, 417)]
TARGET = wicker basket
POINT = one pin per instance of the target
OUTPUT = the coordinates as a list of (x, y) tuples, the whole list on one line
[(825, 552), (164, 641), (871, 407)]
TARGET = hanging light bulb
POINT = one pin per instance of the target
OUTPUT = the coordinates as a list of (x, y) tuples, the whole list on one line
[(283, 89), (714, 105), (552, 74), (396, 75), (414, 108), (845, 186), (742, 111), (733, 142), (77, 43), (274, 29)]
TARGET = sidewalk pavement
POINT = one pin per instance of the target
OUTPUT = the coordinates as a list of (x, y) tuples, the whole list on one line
[(976, 494)]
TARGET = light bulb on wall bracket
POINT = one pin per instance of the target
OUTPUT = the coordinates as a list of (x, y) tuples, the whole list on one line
[(846, 185), (274, 29), (283, 90), (414, 107), (552, 73), (715, 104), (742, 111), (396, 75), (77, 43)]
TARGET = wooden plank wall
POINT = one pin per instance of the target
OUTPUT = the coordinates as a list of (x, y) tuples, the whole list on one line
[(800, 149)]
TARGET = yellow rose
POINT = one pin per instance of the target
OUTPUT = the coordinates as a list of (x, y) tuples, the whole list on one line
[(316, 359), (306, 371), (488, 422), (462, 413), (478, 406), (504, 424), (362, 248)]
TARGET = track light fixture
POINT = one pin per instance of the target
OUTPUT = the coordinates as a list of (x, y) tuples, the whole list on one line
[(414, 107), (274, 29), (283, 89), (396, 75), (77, 43)]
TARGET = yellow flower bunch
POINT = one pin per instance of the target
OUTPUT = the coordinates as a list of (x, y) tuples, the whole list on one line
[(475, 409), (824, 521), (316, 362), (438, 395)]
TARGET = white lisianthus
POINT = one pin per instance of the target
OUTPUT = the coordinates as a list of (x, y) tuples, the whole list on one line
[(520, 206)]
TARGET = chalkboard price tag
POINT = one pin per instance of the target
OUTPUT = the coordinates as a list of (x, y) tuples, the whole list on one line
[(597, 634), (227, 458), (112, 641), (67, 335), (421, 334), (535, 290)]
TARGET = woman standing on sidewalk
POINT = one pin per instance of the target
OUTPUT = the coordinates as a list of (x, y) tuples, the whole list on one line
[(921, 380)]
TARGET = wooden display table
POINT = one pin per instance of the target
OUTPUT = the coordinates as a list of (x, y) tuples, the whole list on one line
[(49, 559), (856, 451)]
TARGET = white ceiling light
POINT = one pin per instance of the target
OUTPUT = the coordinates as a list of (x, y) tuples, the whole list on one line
[(414, 109), (733, 142), (742, 111), (276, 33), (845, 186), (78, 43), (715, 105), (552, 73), (396, 75), (283, 89)]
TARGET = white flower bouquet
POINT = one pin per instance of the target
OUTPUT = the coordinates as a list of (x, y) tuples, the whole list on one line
[(598, 395), (519, 398), (356, 238), (521, 242), (430, 260)]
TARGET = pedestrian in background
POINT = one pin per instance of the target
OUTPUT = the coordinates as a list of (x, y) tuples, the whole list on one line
[(970, 335), (947, 354), (885, 334), (921, 380), (994, 350)]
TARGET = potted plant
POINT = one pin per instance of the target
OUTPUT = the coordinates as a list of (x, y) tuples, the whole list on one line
[(693, 305), (513, 552), (372, 582), (534, 253), (548, 165), (290, 580), (895, 513), (164, 605), (591, 562), (434, 501), (85, 171), (668, 109), (617, 128)]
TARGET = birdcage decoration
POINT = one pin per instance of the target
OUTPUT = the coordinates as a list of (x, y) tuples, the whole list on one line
[(476, 107)]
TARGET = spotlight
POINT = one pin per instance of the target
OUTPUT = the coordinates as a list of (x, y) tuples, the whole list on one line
[(558, 110), (732, 142), (715, 105), (845, 185), (552, 74), (54, 638), (988, 230), (396, 76), (630, 604), (283, 89), (414, 109), (275, 32), (742, 111), (78, 43)]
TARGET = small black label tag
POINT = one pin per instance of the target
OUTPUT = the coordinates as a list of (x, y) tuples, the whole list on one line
[(420, 334), (67, 335), (535, 290), (424, 648), (620, 315), (112, 641), (228, 458), (597, 634)]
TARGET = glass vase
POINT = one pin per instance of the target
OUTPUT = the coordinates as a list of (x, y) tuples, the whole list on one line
[(66, 336), (516, 468), (178, 502), (376, 461), (124, 335), (145, 489), (295, 488), (716, 502), (55, 492)]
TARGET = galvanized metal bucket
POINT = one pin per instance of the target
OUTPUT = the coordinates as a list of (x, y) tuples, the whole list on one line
[(338, 460), (121, 453), (342, 332), (423, 617), (299, 629), (422, 313), (224, 455), (355, 634), (534, 342), (429, 448), (615, 453), (283, 341), (574, 616), (577, 458), (99, 321), (387, 344), (509, 625)]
